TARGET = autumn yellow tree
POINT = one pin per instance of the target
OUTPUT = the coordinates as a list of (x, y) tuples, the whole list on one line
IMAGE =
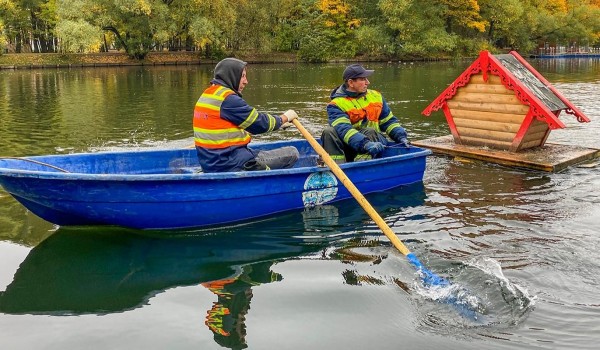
[(463, 14), (336, 13), (339, 24)]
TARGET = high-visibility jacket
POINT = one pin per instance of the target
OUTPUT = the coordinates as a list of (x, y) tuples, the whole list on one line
[(223, 125), (210, 131), (349, 114)]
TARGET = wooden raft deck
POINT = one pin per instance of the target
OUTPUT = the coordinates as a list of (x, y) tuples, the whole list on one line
[(551, 157)]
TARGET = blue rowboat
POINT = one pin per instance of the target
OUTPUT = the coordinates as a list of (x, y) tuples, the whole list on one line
[(166, 189)]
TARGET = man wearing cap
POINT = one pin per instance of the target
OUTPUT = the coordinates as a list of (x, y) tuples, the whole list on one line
[(358, 119), (224, 123)]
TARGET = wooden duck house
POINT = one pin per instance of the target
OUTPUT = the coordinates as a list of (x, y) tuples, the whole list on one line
[(503, 103)]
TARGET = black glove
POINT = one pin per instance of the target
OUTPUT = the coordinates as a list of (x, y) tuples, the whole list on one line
[(374, 148)]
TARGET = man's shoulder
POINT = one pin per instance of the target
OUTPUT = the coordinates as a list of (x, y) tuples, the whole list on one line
[(234, 100)]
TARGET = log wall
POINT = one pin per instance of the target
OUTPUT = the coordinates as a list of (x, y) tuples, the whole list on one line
[(536, 135), (488, 114)]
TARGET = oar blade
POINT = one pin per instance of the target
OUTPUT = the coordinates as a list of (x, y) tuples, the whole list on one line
[(429, 278), (468, 305)]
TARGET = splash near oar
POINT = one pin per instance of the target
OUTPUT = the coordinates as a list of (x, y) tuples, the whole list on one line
[(428, 277)]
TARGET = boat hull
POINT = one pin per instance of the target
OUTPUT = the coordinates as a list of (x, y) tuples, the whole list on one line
[(162, 190)]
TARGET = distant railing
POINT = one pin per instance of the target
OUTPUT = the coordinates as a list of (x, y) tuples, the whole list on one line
[(564, 50)]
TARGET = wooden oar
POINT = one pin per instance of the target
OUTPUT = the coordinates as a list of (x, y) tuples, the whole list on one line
[(428, 277)]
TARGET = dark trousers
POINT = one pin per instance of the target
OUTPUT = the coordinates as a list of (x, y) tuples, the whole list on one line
[(340, 152), (279, 158)]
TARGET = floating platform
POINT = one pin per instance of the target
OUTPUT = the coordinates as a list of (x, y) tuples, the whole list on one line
[(551, 157)]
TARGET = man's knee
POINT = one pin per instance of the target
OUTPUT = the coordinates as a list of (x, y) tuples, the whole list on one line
[(329, 133), (374, 135), (370, 133), (279, 158)]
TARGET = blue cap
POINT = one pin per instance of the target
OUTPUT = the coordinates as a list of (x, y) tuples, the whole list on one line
[(354, 71)]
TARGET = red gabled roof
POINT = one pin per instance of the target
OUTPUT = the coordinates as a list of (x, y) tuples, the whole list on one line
[(488, 64)]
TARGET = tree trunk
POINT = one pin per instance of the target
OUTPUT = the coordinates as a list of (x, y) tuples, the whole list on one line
[(116, 32)]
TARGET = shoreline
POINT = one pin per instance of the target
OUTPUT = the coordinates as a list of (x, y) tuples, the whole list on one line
[(120, 59), (16, 61)]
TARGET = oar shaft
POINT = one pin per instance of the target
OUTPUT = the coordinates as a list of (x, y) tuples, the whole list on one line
[(339, 173)]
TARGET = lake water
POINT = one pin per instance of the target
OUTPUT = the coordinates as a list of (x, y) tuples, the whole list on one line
[(521, 245)]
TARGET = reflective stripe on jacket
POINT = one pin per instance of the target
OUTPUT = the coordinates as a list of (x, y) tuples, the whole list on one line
[(223, 125), (360, 110), (363, 112), (210, 130), (348, 114)]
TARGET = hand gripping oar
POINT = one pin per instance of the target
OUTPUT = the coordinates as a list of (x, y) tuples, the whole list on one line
[(429, 278)]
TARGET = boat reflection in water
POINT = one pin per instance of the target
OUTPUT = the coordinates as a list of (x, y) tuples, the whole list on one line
[(101, 270)]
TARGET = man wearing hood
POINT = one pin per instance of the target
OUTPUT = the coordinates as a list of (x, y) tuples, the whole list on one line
[(224, 123), (359, 118)]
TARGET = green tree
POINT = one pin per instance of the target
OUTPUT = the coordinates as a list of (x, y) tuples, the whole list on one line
[(338, 25), (208, 37), (372, 36), (42, 18), (213, 26), (253, 25), (315, 48), (295, 21), (16, 25), (366, 11), (418, 27), (594, 30), (78, 36), (503, 19), (3, 38), (584, 23), (4, 7), (138, 25), (374, 40), (556, 21)]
